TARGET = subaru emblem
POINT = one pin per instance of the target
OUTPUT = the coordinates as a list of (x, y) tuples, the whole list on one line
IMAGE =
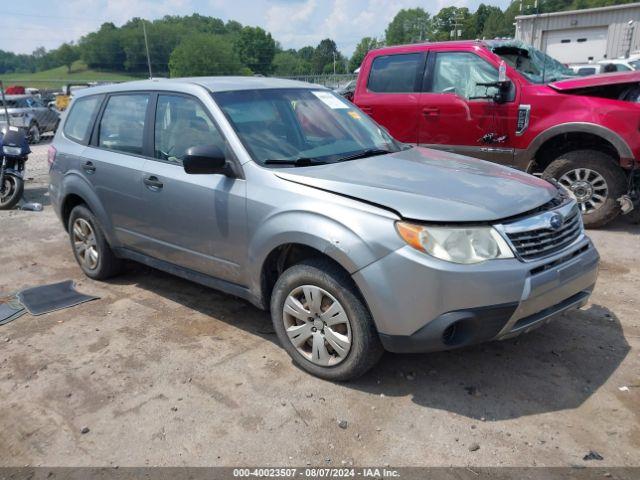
[(556, 221)]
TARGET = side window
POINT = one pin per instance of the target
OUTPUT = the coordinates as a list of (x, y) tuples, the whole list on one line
[(394, 73), (461, 73), (122, 123), (81, 117), (622, 68), (182, 123)]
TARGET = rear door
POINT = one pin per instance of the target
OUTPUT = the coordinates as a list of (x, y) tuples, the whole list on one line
[(456, 114), (391, 93), (114, 162)]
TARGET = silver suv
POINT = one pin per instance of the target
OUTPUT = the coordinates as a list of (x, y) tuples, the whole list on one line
[(29, 112), (286, 195)]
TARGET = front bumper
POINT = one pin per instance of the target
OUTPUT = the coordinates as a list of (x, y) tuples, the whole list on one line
[(422, 304)]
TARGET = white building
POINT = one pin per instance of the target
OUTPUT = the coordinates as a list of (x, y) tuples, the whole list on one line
[(581, 36)]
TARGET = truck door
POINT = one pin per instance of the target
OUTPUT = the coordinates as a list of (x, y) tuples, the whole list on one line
[(390, 94), (458, 114)]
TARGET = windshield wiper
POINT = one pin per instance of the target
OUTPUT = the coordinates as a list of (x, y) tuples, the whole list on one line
[(296, 162), (369, 152)]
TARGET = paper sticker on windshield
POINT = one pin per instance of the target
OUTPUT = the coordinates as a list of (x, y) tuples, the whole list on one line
[(330, 100), (354, 115)]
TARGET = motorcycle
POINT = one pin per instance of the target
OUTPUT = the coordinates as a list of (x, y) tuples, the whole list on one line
[(14, 150)]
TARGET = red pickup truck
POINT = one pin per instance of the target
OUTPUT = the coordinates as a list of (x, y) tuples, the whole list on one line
[(507, 102)]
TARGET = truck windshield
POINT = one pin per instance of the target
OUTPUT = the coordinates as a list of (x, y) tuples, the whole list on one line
[(302, 127), (535, 65)]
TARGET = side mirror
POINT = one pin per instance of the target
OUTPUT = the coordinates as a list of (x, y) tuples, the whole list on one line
[(205, 160), (504, 88)]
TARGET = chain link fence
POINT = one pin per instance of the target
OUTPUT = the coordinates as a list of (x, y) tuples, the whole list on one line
[(326, 80)]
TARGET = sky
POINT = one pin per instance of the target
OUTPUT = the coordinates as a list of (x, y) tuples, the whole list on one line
[(26, 25)]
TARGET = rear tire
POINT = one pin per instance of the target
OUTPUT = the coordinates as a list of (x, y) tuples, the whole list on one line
[(90, 247), (359, 354), (596, 181), (13, 190)]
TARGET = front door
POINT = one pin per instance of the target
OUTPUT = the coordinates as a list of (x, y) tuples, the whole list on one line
[(457, 113), (194, 221)]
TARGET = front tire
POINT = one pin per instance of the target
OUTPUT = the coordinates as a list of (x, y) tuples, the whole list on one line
[(90, 247), (595, 180), (11, 192), (322, 323)]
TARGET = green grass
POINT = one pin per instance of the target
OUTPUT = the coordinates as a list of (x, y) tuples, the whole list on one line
[(56, 77)]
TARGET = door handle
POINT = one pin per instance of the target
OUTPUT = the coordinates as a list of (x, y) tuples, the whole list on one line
[(430, 111), (89, 167), (153, 183)]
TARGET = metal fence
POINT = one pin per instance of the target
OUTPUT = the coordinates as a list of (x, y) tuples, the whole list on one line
[(327, 80)]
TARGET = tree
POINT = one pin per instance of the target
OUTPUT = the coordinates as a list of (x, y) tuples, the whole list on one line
[(289, 63), (66, 54), (409, 26), (256, 49), (453, 23), (323, 56), (203, 54), (366, 44)]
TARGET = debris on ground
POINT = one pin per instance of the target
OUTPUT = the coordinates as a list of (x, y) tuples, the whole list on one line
[(84, 430), (343, 424), (592, 456), (474, 447)]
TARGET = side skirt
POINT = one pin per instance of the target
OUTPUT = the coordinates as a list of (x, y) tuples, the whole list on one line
[(191, 275)]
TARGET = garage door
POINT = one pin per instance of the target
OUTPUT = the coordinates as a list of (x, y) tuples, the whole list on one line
[(576, 45)]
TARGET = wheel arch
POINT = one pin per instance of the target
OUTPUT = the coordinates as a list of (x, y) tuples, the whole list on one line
[(575, 136), (78, 192), (277, 245)]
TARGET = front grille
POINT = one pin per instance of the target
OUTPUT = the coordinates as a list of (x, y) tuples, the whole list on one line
[(540, 242)]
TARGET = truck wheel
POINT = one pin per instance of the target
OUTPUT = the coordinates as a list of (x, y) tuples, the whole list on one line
[(11, 192), (90, 247), (595, 180), (33, 134), (322, 323)]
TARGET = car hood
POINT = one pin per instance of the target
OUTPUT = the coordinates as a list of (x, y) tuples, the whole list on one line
[(430, 185), (600, 80)]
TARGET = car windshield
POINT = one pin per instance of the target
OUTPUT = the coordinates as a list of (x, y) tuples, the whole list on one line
[(302, 126), (535, 65)]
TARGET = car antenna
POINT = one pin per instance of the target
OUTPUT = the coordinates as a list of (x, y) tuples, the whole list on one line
[(146, 46)]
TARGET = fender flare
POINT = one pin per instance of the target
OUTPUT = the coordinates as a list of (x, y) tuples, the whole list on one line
[(311, 229), (580, 127), (75, 184)]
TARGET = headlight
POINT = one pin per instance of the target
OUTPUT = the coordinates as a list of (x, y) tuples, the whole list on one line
[(456, 244), (12, 151)]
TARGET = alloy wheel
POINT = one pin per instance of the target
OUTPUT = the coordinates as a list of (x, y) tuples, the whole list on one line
[(589, 187), (84, 242), (317, 325)]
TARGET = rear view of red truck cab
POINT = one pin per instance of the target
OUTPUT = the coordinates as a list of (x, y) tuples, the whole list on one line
[(583, 132)]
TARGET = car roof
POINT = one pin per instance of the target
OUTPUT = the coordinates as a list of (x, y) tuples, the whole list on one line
[(213, 84), (427, 45)]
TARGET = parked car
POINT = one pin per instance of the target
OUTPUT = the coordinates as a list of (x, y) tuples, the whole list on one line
[(29, 112), (347, 90), (580, 131), (284, 194), (603, 66)]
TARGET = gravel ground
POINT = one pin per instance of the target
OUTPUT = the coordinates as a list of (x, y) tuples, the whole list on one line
[(162, 371)]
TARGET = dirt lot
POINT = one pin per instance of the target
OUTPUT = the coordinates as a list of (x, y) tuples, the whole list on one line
[(166, 372)]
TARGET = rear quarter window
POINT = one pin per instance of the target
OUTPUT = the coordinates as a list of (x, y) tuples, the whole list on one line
[(394, 73), (81, 116)]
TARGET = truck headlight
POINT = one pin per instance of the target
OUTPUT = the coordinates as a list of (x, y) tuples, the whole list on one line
[(456, 244)]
